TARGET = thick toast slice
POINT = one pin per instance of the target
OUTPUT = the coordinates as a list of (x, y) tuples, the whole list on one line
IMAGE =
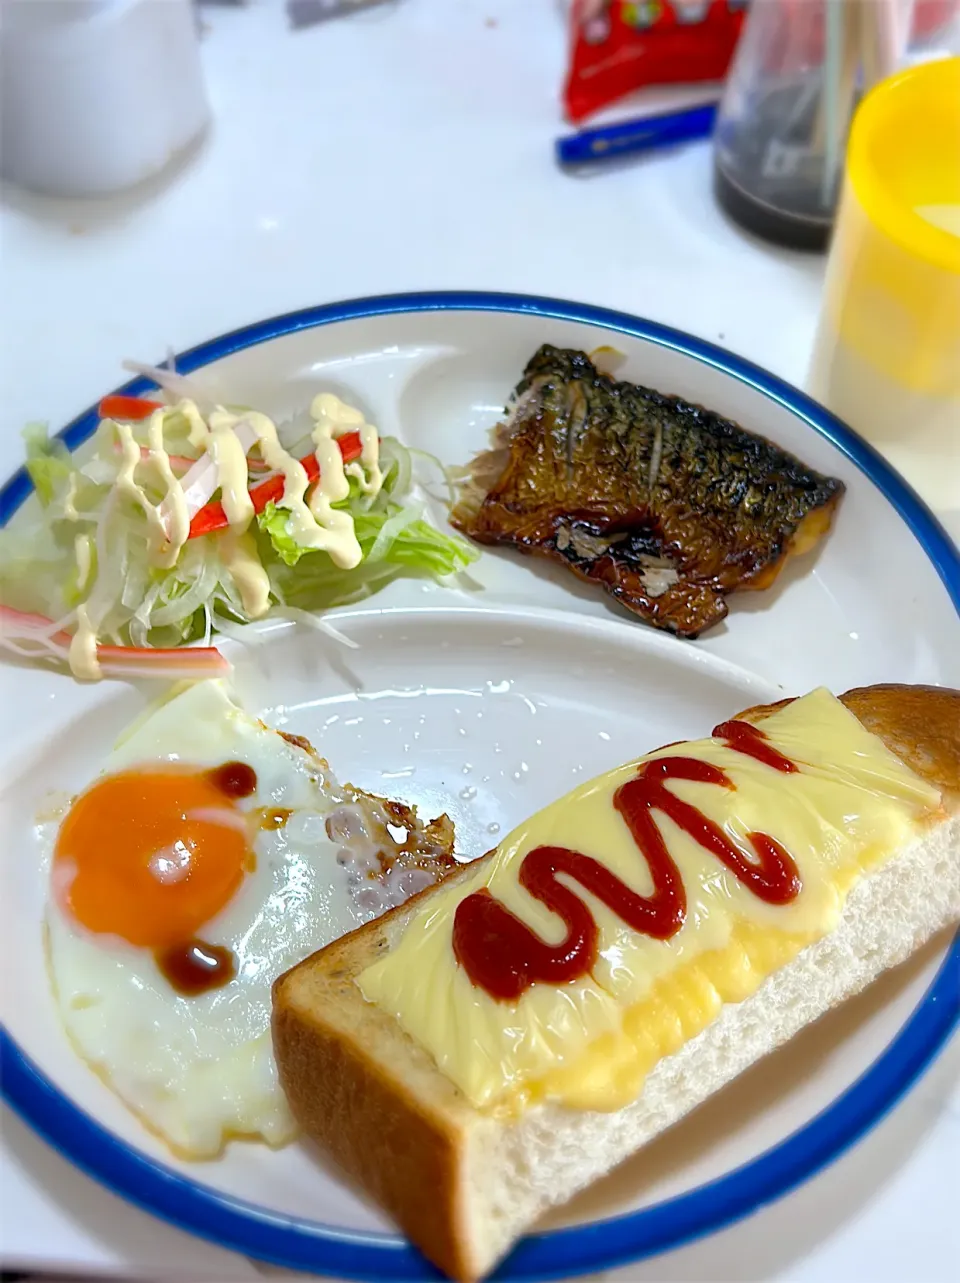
[(464, 1185)]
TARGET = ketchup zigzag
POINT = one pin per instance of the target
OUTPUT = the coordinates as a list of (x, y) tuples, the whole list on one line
[(503, 956)]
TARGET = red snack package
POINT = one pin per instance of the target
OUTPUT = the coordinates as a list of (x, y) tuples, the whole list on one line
[(623, 45), (930, 17)]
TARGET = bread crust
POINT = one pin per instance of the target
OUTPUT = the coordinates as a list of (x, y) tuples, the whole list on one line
[(921, 724), (401, 1132), (400, 1143), (401, 1154)]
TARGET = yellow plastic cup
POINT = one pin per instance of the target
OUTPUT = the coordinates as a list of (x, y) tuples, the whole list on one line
[(887, 352)]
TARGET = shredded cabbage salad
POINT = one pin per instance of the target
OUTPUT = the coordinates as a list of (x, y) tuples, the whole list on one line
[(186, 518)]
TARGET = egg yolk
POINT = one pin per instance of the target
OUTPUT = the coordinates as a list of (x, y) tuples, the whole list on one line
[(150, 855)]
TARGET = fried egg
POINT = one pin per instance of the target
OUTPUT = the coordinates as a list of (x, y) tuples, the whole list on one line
[(211, 855)]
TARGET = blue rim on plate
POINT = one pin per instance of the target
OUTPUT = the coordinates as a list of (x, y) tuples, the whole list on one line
[(300, 1244)]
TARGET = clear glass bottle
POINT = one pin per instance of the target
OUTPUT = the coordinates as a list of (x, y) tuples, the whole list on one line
[(782, 128), (799, 70)]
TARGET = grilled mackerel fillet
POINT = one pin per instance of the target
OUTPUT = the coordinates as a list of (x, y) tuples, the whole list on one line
[(665, 504)]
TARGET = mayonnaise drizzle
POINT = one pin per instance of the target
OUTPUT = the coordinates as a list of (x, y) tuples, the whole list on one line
[(314, 524), (198, 430), (83, 551), (238, 552), (83, 648), (128, 487), (228, 456), (368, 470), (295, 480), (70, 499), (333, 418), (175, 518), (317, 524)]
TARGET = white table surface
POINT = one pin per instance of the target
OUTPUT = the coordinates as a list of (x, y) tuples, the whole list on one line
[(410, 148)]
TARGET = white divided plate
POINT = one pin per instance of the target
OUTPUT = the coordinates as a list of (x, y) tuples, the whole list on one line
[(487, 702)]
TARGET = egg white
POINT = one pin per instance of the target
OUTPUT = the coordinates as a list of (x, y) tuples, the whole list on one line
[(198, 1070)]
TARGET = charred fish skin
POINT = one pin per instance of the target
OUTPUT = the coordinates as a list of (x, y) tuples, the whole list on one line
[(667, 505)]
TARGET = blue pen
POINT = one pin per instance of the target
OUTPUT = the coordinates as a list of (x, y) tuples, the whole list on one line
[(630, 137)]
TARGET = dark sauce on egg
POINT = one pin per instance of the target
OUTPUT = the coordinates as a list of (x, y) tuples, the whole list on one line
[(196, 967), (234, 779)]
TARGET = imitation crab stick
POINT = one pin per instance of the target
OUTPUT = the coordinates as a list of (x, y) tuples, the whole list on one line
[(17, 627), (212, 516), (133, 408)]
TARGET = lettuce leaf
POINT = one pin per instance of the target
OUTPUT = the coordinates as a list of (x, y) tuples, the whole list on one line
[(393, 534), (273, 521), (137, 602), (48, 462)]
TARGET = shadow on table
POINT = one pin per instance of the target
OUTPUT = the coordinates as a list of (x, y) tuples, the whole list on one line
[(92, 214)]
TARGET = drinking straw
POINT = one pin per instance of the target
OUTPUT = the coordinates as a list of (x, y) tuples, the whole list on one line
[(842, 58)]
